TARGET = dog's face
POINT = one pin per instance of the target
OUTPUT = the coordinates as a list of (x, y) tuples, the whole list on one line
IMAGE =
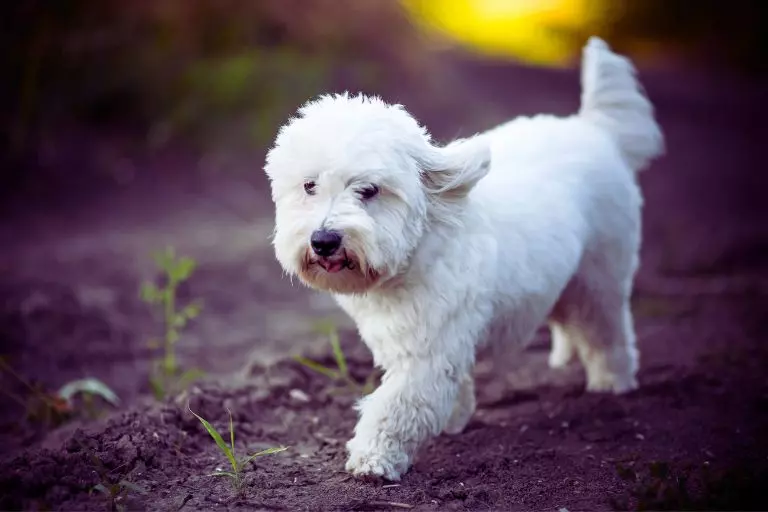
[(356, 183)]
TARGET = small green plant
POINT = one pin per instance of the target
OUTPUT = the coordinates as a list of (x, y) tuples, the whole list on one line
[(166, 376), (115, 493), (236, 463), (339, 375), (89, 389), (50, 408)]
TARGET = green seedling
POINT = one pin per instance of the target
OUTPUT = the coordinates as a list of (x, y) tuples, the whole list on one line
[(339, 375), (237, 464), (167, 377), (115, 493), (54, 408), (89, 386), (89, 389)]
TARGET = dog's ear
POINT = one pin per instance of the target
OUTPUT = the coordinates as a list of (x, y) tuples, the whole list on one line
[(452, 171)]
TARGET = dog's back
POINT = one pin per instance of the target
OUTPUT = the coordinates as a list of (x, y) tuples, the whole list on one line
[(562, 198), (558, 166)]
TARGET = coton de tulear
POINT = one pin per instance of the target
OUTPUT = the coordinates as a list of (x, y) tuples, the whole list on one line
[(434, 250)]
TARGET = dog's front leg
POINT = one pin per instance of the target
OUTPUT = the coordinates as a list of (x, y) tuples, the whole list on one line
[(413, 403)]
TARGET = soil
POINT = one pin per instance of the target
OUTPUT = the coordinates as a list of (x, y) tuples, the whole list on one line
[(694, 436)]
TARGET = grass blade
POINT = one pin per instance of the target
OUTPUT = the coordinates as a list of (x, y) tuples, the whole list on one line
[(189, 376), (317, 367), (90, 385), (101, 489), (232, 435), (268, 451), (370, 383), (217, 437), (133, 487), (158, 389), (341, 361), (224, 473)]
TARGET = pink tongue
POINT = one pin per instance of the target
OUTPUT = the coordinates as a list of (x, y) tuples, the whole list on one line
[(335, 266), (332, 266)]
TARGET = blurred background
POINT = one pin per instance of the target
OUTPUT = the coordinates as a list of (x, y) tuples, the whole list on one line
[(222, 75), (131, 125)]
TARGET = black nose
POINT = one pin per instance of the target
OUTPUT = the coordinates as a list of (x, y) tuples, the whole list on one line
[(325, 242)]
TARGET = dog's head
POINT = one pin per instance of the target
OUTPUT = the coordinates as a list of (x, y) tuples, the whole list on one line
[(356, 183)]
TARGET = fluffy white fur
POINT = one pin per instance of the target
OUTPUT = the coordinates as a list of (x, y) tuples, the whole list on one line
[(537, 220)]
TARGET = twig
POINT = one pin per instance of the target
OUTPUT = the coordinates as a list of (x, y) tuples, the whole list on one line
[(393, 504)]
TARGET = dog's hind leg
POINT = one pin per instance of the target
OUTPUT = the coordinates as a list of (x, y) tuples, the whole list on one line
[(563, 349), (594, 317), (608, 350), (463, 408)]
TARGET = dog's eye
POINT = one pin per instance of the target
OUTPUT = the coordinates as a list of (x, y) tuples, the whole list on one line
[(309, 187), (369, 192)]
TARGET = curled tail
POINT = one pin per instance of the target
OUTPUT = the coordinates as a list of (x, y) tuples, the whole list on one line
[(613, 99)]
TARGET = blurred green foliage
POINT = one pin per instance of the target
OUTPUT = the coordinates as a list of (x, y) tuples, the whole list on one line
[(256, 88), (167, 377), (172, 68), (228, 72)]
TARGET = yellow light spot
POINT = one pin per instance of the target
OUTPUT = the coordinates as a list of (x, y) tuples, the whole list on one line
[(544, 32)]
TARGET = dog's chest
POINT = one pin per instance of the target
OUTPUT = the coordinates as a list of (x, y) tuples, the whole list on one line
[(391, 329)]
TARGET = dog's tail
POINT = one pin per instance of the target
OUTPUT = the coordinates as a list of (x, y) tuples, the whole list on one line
[(614, 100)]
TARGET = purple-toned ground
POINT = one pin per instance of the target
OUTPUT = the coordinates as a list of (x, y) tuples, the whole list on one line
[(694, 436)]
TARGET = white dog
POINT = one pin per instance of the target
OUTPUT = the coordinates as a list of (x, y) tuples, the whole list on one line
[(433, 250)]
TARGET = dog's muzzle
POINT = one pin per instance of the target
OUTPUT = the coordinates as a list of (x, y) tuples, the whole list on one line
[(326, 246)]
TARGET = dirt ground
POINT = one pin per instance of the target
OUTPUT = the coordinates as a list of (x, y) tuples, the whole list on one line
[(693, 437)]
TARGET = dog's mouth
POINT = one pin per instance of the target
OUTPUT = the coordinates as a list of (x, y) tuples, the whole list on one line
[(343, 272), (335, 263)]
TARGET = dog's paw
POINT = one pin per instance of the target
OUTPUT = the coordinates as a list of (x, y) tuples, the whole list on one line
[(611, 383), (462, 414), (376, 464), (559, 359), (457, 424), (373, 466)]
